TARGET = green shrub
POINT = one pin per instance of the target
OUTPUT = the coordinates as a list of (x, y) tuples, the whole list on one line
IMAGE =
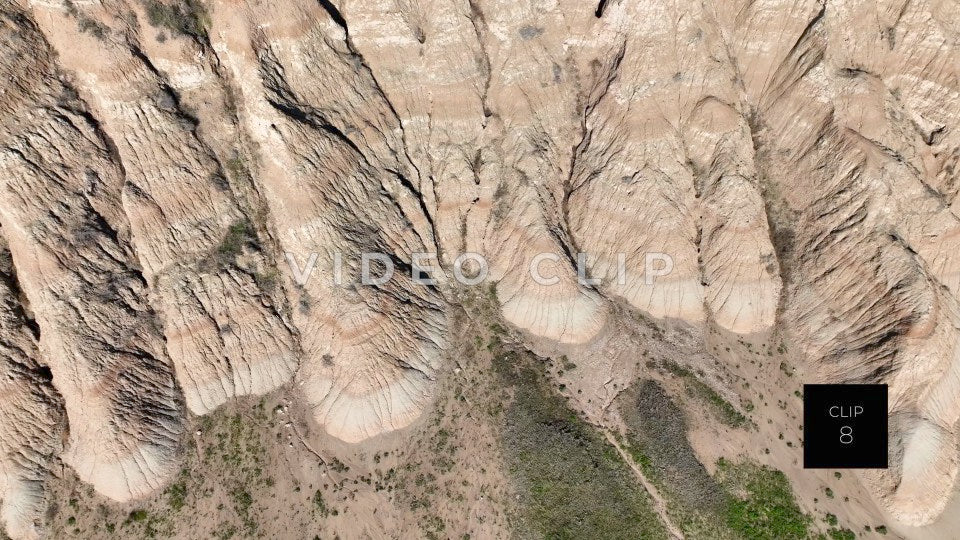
[(138, 515), (237, 236), (177, 495), (842, 534), (319, 504), (187, 17)]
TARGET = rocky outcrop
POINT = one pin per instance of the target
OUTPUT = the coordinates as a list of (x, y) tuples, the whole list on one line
[(187, 190), (69, 239), (340, 185), (31, 422), (198, 248)]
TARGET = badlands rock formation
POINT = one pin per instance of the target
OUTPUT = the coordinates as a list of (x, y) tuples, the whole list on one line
[(69, 239), (170, 172), (30, 425)]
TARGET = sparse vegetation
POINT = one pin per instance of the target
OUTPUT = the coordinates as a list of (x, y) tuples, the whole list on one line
[(90, 26), (726, 412), (500, 203), (84, 22), (237, 168), (842, 534), (239, 234), (319, 504), (657, 441), (177, 492), (761, 504), (573, 484), (184, 17)]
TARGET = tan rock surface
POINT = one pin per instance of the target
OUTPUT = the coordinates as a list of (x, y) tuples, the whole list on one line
[(69, 239), (222, 332), (30, 415), (183, 183)]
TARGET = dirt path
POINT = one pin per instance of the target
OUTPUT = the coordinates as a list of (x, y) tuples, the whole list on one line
[(659, 503)]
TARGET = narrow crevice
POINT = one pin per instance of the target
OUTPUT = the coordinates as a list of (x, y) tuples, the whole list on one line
[(312, 120), (21, 304), (408, 185), (335, 14), (478, 22), (600, 7), (800, 60), (176, 108), (565, 235)]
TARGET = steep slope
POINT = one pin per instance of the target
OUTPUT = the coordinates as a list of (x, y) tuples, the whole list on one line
[(69, 240), (187, 190)]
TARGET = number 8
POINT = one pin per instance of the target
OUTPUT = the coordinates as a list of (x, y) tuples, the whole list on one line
[(846, 435)]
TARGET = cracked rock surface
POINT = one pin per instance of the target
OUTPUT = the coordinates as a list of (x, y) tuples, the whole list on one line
[(164, 189)]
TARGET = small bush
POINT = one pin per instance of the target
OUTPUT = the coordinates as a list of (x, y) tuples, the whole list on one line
[(319, 504), (138, 515), (240, 234), (188, 17), (88, 25)]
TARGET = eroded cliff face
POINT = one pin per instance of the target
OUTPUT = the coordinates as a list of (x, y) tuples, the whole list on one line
[(168, 169)]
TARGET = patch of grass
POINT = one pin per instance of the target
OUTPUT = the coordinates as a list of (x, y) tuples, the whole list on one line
[(239, 235), (338, 466), (267, 280), (762, 504), (85, 23), (573, 484), (177, 494), (88, 25), (237, 168), (657, 439), (500, 203), (242, 500)]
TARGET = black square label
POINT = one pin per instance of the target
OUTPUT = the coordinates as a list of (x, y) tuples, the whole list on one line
[(845, 426)]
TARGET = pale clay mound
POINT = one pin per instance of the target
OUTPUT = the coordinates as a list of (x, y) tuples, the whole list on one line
[(799, 161)]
